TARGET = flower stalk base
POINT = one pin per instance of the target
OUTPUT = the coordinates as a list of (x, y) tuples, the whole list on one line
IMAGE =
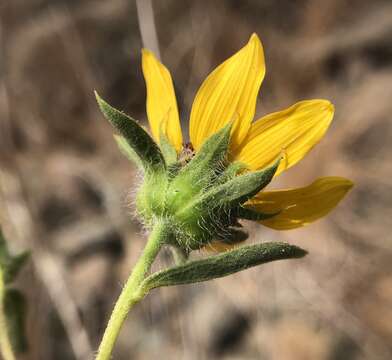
[(132, 293)]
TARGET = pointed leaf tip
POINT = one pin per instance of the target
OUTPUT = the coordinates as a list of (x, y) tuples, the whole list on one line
[(137, 138), (213, 150)]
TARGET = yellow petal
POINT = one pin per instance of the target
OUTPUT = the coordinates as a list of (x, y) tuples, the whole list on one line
[(161, 100), (300, 206), (292, 132), (229, 94)]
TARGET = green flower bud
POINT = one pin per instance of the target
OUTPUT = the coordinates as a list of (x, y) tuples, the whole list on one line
[(199, 197)]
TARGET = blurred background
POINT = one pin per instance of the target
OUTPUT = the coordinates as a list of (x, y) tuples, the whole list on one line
[(66, 191)]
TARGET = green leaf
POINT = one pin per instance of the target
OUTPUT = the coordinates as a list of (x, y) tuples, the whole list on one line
[(10, 264), (223, 264), (15, 312), (137, 138)]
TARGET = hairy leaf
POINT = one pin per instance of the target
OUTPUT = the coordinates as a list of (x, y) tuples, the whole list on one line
[(223, 264)]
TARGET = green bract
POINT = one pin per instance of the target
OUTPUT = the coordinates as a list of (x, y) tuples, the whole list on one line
[(200, 198)]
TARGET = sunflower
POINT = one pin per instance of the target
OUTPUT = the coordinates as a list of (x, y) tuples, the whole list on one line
[(194, 194), (201, 188), (229, 94)]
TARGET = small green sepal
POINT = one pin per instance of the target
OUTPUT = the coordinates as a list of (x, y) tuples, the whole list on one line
[(212, 155), (209, 214), (203, 170), (240, 189), (233, 169)]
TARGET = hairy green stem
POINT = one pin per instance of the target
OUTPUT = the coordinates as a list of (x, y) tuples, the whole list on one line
[(131, 293), (5, 343)]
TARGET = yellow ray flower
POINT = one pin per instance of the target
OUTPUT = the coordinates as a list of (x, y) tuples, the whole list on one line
[(193, 195), (298, 207), (229, 94), (161, 100), (294, 131)]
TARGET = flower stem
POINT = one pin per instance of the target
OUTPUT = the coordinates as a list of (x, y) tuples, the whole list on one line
[(131, 293), (5, 343)]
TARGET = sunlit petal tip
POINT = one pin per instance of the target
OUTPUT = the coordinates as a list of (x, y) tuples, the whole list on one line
[(232, 88), (146, 54), (347, 184), (331, 107), (254, 39), (326, 106)]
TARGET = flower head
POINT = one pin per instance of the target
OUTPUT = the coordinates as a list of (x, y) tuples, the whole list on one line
[(203, 187)]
